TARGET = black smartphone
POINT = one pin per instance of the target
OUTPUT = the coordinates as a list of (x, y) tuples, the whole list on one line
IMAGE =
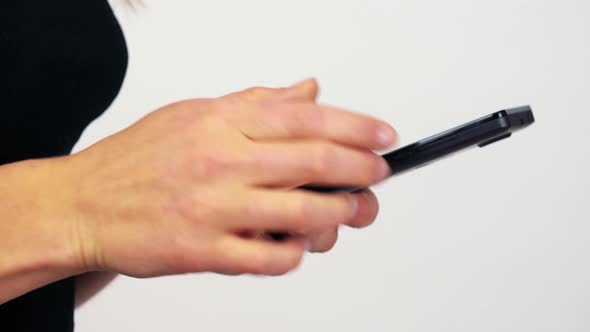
[(477, 133)]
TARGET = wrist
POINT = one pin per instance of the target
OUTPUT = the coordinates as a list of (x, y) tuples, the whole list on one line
[(48, 189), (36, 243), (58, 202)]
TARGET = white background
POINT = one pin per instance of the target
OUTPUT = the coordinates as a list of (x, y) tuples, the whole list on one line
[(495, 239)]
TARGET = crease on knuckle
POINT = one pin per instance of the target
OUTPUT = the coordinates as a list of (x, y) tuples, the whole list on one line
[(211, 164)]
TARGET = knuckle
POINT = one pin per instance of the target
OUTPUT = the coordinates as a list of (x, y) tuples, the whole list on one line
[(252, 92), (258, 93), (179, 207), (256, 90), (211, 165), (219, 113)]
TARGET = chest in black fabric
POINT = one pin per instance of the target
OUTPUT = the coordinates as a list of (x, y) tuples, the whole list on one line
[(62, 63)]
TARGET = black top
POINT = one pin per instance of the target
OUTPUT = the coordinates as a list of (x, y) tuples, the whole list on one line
[(62, 63)]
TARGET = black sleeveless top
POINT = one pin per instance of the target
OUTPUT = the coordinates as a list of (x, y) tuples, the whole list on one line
[(62, 63)]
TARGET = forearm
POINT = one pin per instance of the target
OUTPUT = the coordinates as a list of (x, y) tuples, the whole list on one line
[(36, 247)]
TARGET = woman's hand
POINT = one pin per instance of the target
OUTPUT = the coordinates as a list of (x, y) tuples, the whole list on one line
[(184, 188)]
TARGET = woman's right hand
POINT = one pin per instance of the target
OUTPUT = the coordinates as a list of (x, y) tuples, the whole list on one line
[(183, 189)]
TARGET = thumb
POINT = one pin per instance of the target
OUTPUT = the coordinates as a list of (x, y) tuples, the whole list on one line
[(305, 90)]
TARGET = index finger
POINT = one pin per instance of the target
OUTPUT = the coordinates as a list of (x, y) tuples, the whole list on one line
[(296, 120)]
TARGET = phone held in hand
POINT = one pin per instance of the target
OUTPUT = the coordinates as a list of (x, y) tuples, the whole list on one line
[(477, 133)]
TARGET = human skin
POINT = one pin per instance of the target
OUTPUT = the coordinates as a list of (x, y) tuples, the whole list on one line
[(186, 188)]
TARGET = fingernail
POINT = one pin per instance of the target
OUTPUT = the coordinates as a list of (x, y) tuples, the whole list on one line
[(385, 135), (354, 205), (307, 245), (384, 170)]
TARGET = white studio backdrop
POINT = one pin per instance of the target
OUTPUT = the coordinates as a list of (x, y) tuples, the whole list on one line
[(494, 239)]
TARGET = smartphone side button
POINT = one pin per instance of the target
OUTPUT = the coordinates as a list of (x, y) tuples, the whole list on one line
[(494, 140)]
